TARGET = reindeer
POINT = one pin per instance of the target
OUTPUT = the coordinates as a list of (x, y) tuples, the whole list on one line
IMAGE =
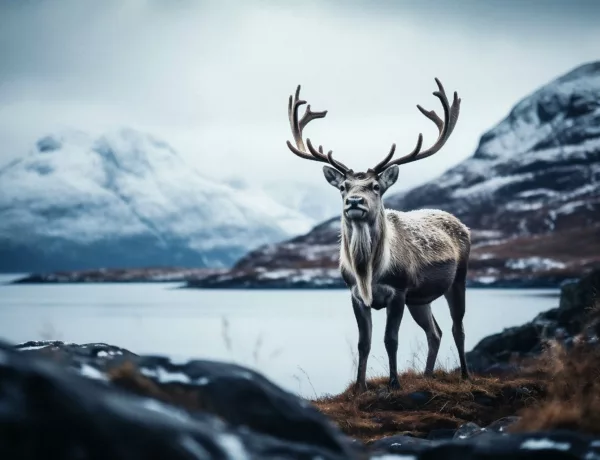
[(389, 258)]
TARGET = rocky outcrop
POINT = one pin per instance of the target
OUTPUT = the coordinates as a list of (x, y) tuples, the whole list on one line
[(99, 401), (576, 318), (530, 194)]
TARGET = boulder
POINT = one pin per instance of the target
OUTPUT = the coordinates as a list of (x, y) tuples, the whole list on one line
[(97, 401), (493, 354), (242, 397)]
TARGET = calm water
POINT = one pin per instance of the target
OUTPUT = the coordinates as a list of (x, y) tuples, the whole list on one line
[(303, 340)]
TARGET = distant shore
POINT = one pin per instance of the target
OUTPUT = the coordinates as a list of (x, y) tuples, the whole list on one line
[(205, 278)]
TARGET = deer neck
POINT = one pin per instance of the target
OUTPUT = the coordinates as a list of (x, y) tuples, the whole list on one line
[(363, 251)]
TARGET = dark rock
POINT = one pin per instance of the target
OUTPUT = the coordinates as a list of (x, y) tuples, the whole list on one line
[(581, 294), (494, 353), (420, 398), (466, 430), (398, 443), (510, 393), (500, 370), (238, 395), (73, 351), (442, 433), (491, 445), (49, 411), (483, 399), (502, 424)]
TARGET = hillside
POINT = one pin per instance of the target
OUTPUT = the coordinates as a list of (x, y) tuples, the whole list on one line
[(126, 199), (530, 194)]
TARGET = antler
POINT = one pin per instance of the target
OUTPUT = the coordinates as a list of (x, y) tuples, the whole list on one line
[(445, 128), (297, 127)]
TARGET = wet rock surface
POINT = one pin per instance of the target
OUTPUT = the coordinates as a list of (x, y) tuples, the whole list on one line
[(71, 401)]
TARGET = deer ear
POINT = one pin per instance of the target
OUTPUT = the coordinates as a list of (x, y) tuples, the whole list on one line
[(333, 176), (388, 177)]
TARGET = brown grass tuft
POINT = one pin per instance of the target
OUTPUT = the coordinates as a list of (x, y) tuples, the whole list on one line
[(424, 404), (572, 393), (128, 377)]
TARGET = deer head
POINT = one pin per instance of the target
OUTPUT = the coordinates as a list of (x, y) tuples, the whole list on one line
[(362, 191)]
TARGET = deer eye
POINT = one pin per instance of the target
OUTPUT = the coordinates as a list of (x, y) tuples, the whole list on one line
[(376, 187), (342, 188)]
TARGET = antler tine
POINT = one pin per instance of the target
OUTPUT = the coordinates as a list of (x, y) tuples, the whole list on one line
[(445, 128), (383, 162), (298, 126)]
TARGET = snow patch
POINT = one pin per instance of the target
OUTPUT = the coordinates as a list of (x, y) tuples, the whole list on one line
[(165, 376), (163, 409), (233, 446), (545, 443), (33, 347), (533, 263), (91, 372), (490, 186), (486, 279)]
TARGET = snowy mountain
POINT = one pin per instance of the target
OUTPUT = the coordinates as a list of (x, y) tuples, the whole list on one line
[(127, 199), (530, 194), (312, 199)]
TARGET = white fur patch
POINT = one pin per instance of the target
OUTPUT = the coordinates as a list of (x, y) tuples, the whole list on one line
[(361, 250), (412, 240)]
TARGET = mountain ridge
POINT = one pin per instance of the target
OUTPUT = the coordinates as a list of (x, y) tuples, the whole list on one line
[(126, 199), (530, 194)]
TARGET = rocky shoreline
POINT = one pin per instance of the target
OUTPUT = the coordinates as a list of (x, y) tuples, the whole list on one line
[(326, 278), (101, 401), (96, 400), (118, 275), (577, 317)]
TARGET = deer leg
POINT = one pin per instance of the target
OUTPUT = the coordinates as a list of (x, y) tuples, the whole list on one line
[(424, 318), (456, 301), (363, 319), (395, 310)]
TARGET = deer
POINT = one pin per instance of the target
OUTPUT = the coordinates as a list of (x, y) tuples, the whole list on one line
[(394, 259)]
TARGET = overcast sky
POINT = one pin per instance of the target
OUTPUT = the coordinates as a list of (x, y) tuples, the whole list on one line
[(213, 78)]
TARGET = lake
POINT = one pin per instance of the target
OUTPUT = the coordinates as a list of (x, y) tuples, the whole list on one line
[(304, 340)]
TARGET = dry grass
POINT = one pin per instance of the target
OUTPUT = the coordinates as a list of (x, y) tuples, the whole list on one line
[(424, 404), (572, 388), (558, 389)]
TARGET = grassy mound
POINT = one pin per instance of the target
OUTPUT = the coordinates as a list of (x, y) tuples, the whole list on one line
[(425, 404)]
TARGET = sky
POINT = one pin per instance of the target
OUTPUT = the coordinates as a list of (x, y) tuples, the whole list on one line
[(212, 78)]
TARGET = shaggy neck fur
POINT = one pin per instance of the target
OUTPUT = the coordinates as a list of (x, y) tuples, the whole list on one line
[(364, 251)]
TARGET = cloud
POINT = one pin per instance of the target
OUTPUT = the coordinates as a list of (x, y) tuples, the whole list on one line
[(213, 78)]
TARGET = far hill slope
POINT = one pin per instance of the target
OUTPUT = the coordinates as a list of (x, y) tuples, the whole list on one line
[(530, 193), (126, 199)]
